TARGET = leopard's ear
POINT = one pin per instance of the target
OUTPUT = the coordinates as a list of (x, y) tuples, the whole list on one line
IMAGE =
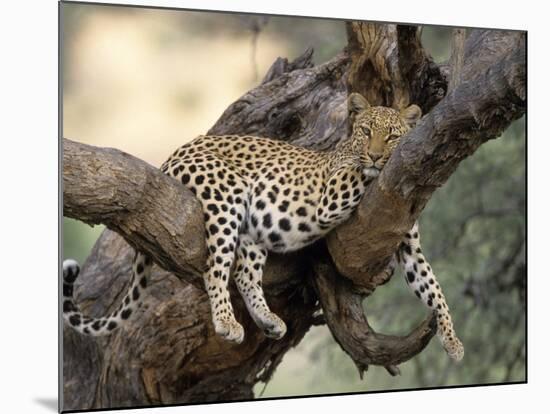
[(357, 103), (410, 115)]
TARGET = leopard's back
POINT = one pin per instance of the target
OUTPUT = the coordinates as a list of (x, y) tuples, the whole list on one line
[(277, 186)]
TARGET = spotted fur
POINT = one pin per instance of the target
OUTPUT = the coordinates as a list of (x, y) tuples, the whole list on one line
[(260, 195), (141, 269)]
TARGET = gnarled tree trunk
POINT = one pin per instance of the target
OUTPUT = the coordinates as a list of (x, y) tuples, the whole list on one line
[(170, 354)]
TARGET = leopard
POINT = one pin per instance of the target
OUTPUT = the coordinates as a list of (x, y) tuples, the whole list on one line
[(261, 195)]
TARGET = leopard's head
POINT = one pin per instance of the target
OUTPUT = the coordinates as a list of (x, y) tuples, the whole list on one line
[(377, 131)]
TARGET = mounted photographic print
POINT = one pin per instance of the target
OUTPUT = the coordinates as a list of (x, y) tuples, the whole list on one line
[(262, 206)]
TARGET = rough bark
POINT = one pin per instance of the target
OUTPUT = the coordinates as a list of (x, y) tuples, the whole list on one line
[(391, 68), (478, 109), (457, 57), (302, 105), (170, 353), (97, 188), (344, 314)]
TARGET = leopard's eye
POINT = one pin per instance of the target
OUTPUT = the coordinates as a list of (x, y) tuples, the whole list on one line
[(366, 131), (391, 137)]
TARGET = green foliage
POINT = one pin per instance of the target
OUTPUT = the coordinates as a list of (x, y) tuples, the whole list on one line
[(436, 39), (78, 239)]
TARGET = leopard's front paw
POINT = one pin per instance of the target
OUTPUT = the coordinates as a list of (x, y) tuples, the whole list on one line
[(230, 330), (454, 348)]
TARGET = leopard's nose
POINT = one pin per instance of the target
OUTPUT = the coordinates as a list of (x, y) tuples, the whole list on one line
[(375, 157)]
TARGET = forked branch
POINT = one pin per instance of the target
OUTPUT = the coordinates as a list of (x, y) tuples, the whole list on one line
[(479, 109), (343, 311)]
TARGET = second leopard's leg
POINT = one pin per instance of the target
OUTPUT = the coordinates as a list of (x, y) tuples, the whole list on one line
[(422, 281)]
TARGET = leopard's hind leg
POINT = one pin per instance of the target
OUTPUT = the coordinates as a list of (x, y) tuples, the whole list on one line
[(249, 267), (422, 281)]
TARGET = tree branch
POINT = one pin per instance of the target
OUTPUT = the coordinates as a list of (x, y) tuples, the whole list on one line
[(302, 105), (169, 353), (457, 57), (344, 314), (391, 68), (153, 212), (426, 82), (479, 109)]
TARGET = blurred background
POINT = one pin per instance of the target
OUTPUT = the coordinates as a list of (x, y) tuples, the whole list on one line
[(146, 81)]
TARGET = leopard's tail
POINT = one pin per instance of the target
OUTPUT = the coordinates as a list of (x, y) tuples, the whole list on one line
[(72, 315)]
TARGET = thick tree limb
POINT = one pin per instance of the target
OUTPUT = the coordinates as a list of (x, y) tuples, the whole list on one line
[(152, 211), (374, 71), (282, 65), (169, 353), (479, 109), (391, 68), (344, 314), (301, 105)]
